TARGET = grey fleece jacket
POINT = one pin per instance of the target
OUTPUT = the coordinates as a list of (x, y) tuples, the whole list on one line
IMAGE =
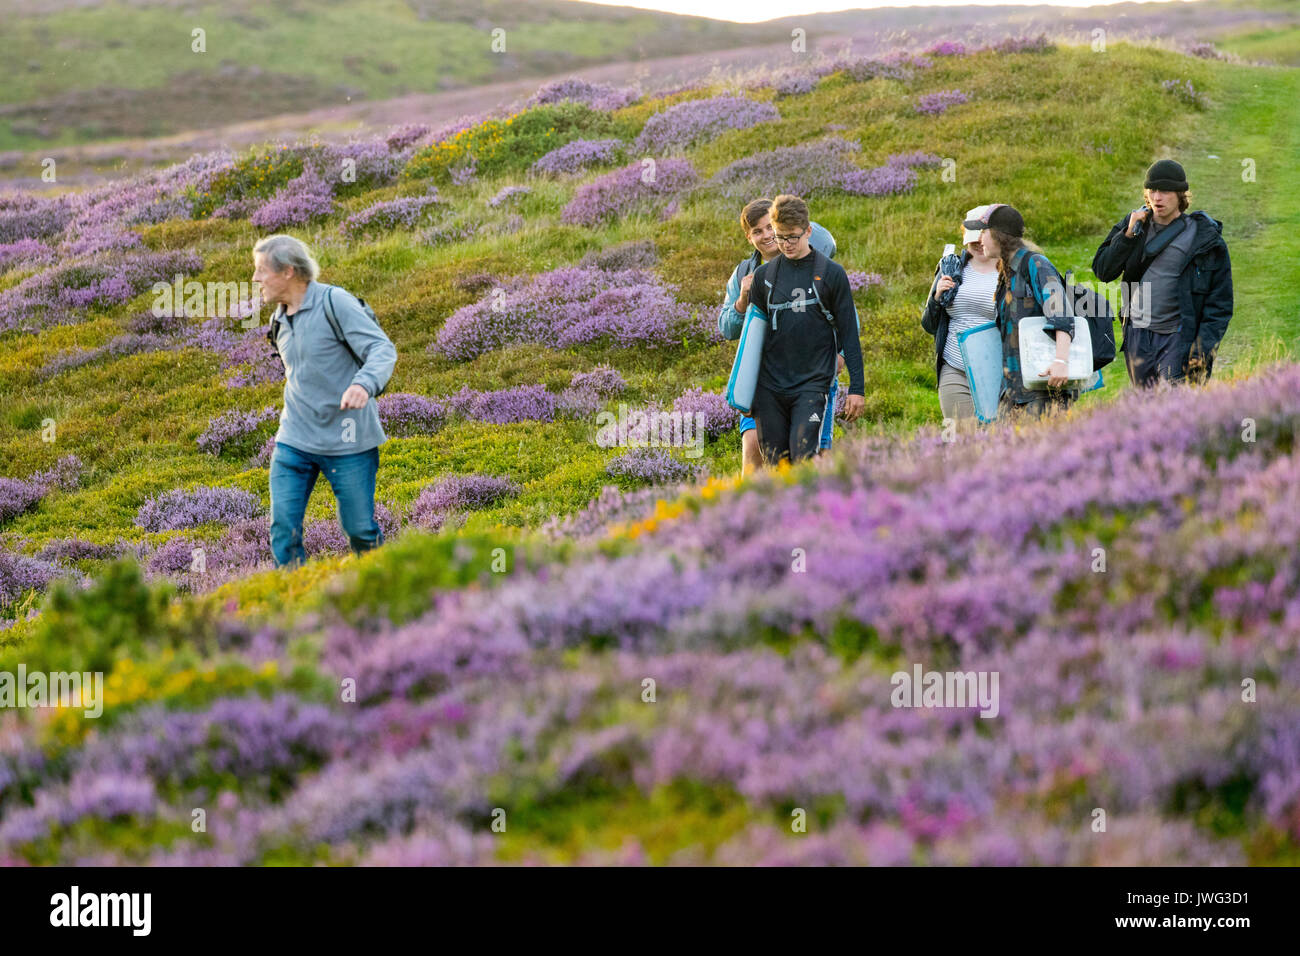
[(318, 370)]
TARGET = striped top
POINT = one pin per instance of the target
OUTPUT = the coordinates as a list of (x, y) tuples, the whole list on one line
[(972, 306)]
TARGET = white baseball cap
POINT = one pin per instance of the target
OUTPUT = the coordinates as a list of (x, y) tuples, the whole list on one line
[(978, 214)]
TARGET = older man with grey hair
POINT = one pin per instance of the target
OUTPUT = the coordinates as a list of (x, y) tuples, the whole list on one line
[(336, 359)]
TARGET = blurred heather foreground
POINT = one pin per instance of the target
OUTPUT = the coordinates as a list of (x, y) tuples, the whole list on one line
[(579, 643), (771, 690)]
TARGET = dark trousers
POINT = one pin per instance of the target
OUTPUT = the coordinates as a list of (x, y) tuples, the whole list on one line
[(789, 424), (1153, 356)]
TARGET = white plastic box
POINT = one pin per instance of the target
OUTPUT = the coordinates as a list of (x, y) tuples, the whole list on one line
[(1038, 350)]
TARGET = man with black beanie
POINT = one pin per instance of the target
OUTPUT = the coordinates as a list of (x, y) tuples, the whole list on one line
[(1177, 281)]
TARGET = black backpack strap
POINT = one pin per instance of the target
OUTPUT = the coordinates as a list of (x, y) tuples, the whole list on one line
[(821, 263), (1155, 243), (273, 330), (769, 280), (334, 324)]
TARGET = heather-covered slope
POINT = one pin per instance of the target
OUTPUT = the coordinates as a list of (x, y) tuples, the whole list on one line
[(608, 285), (141, 70)]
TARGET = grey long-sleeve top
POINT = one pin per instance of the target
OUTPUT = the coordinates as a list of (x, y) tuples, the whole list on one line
[(318, 370)]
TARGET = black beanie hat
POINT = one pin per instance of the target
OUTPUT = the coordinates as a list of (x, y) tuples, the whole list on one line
[(1167, 175), (1006, 219)]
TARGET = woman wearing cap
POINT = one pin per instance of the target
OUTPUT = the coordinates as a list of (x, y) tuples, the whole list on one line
[(1028, 284), (972, 306)]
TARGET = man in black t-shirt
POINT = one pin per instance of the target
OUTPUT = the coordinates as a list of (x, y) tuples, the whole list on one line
[(809, 307)]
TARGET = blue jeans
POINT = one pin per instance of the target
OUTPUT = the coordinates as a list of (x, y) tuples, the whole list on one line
[(293, 476)]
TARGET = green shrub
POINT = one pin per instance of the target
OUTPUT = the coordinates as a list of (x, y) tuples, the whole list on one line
[(119, 615), (396, 581), (257, 175), (513, 144)]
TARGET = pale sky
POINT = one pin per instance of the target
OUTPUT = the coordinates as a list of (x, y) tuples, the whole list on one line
[(751, 11)]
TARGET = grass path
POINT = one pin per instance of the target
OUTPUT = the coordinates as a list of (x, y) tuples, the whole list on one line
[(1255, 115), (1259, 121)]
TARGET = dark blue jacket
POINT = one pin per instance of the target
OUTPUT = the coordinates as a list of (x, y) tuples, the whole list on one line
[(1204, 287)]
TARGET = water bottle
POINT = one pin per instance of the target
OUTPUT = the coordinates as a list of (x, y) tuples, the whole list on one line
[(1138, 227), (950, 265)]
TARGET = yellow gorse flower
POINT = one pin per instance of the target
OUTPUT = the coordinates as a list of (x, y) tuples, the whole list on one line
[(665, 511)]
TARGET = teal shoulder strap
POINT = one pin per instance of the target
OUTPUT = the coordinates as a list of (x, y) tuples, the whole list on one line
[(1029, 273)]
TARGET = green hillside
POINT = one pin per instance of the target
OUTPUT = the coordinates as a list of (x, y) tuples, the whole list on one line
[(1075, 166)]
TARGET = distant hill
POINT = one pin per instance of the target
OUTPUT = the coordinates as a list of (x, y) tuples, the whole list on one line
[(88, 71), (80, 72)]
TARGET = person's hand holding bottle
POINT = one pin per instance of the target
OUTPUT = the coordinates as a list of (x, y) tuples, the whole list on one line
[(1136, 219)]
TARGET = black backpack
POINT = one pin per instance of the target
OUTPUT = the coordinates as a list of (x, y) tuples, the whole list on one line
[(820, 263), (272, 334), (1084, 303)]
